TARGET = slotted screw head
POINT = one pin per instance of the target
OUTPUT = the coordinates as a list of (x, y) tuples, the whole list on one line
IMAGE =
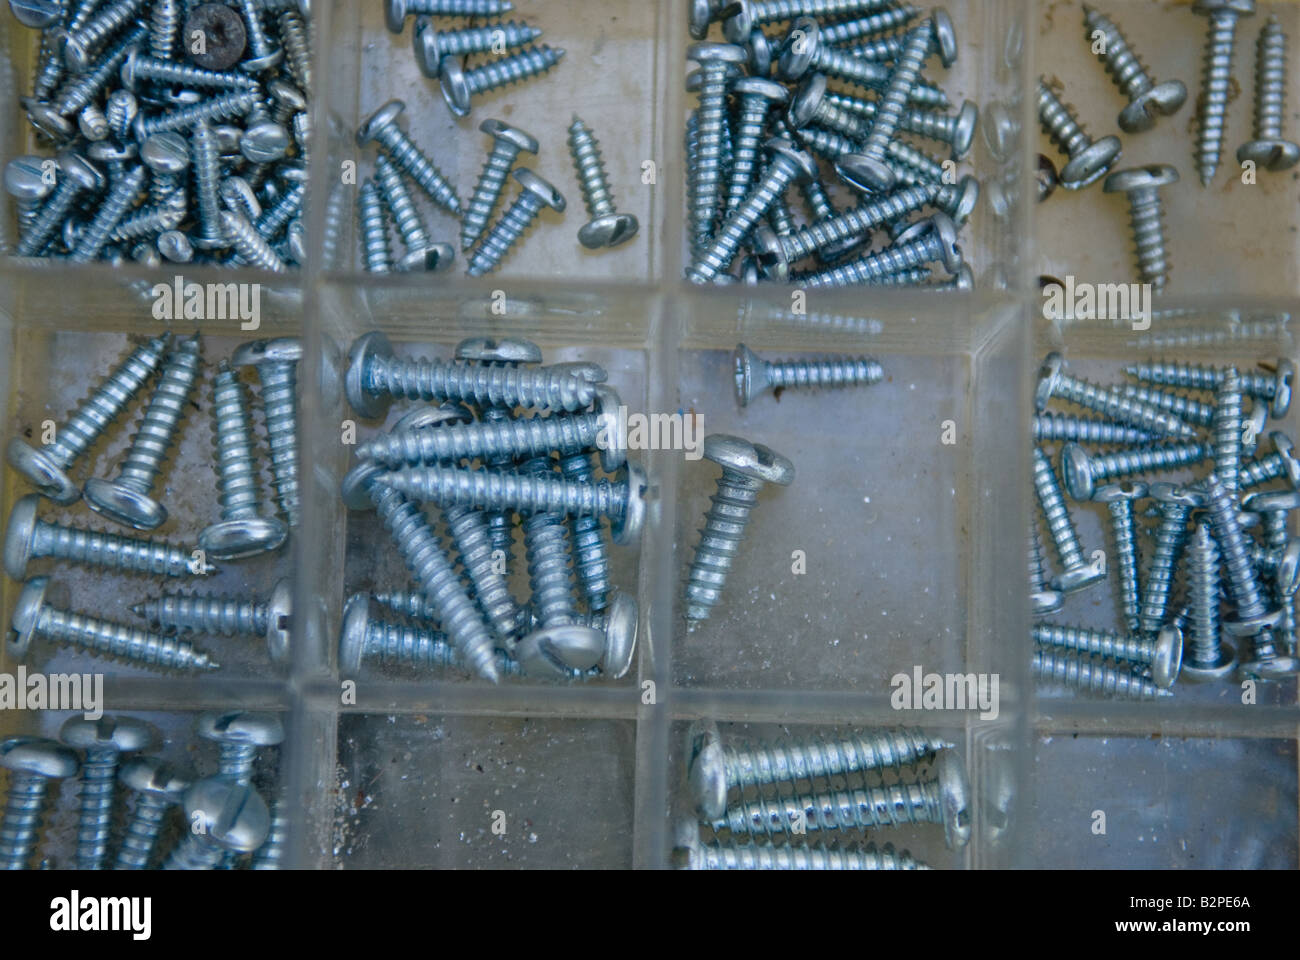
[(123, 505), (41, 758), (39, 14), (561, 649), (230, 814), (123, 734), (25, 180), (1150, 177), (498, 350), (370, 406), (385, 116), (241, 727), (549, 195), (154, 777), (706, 771), (245, 537), (622, 622), (752, 460)]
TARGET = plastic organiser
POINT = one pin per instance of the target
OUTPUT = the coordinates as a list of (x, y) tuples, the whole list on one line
[(914, 546)]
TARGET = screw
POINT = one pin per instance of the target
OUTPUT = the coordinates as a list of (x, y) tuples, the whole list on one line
[(139, 66), (26, 182), (1091, 676), (714, 769), (1176, 505), (695, 855), (249, 244), (745, 468), (270, 854), (1163, 652), (297, 47), (1181, 406), (1268, 149), (1089, 159), (224, 816), (942, 798), (127, 499), (507, 144), (239, 734), (1043, 600), (742, 17), (1058, 426), (1082, 472), (227, 615), (1207, 657), (459, 84), (957, 130), (756, 96), (1119, 498), (805, 48), (535, 194), (1274, 385), (606, 228), (1145, 212), (381, 127), (164, 28), (32, 764), (1053, 381), (713, 131), (396, 11), (421, 252), (264, 54), (754, 375), (586, 538), (433, 45), (1147, 99), (1216, 79), (375, 376), (235, 103), (1227, 433), (76, 175), (1078, 572), (108, 20), (433, 571), (241, 531), (207, 177), (375, 247), (277, 369), (882, 21), (104, 741), (933, 245), (158, 788)]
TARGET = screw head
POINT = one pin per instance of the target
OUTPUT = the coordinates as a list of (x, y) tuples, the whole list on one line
[(40, 469), (275, 351), (947, 230), (1114, 492), (1078, 577), (175, 246), (224, 34), (803, 162), (1287, 576), (622, 621), (968, 195), (1193, 672), (699, 14), (1045, 178), (805, 103), (760, 53), (247, 537), (264, 142), (1150, 177), (241, 727), (124, 505), (37, 14), (20, 535), (954, 792), (154, 777), (557, 650), (166, 153), (963, 134), (613, 446), (1044, 602), (865, 174), (628, 529), (355, 488), (706, 771), (1168, 656), (352, 633), (279, 620), (498, 350), (608, 231), (27, 611), (1076, 467), (231, 814), (1239, 626), (799, 48), (370, 345), (424, 41), (1048, 375), (1273, 668), (25, 179), (380, 120), (748, 373), (945, 36), (430, 416), (47, 120), (123, 734), (740, 24), (770, 255), (1160, 101), (1272, 155), (1282, 388), (752, 460), (38, 757), (522, 141), (1283, 447), (1090, 164), (550, 196), (708, 52), (454, 86), (395, 15)]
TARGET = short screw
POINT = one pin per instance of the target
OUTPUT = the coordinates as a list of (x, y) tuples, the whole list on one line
[(396, 11), (1147, 99), (1050, 426), (459, 85), (241, 531), (1089, 159), (1207, 656), (607, 228), (1093, 676), (1119, 498), (714, 769), (1162, 652), (507, 144), (1078, 573), (753, 375), (1142, 184), (103, 741), (432, 45), (534, 195), (226, 615), (745, 468), (696, 855), (382, 128), (223, 816), (421, 252), (1216, 79), (157, 788), (32, 764), (1053, 381), (276, 362), (1268, 149)]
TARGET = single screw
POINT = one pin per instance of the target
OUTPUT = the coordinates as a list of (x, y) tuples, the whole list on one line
[(375, 376), (127, 499), (753, 375), (535, 194), (270, 855), (1176, 505), (942, 798), (79, 45), (297, 47), (248, 243), (241, 531), (712, 131), (1054, 381), (432, 45), (756, 97), (27, 183), (45, 468), (1216, 79), (1268, 149), (1162, 652), (1089, 159), (382, 128), (957, 129), (1082, 472), (139, 66), (1227, 433), (224, 816), (103, 741), (373, 221), (888, 20), (235, 103), (507, 144), (459, 85), (1207, 656), (1049, 426), (745, 468), (938, 243), (239, 735), (1147, 99), (695, 855), (1274, 385), (226, 615), (207, 177), (1042, 598), (1078, 573), (157, 788), (714, 769), (1180, 405), (396, 11), (421, 252), (164, 28), (76, 175), (1119, 498), (587, 538), (606, 228), (806, 48), (32, 763), (263, 53), (433, 571), (742, 17), (277, 369), (1142, 184), (1093, 676)]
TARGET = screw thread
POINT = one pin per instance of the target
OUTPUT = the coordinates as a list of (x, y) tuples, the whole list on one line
[(916, 48), (297, 48), (120, 195), (236, 468), (1227, 433), (824, 142), (149, 447), (750, 124), (505, 233), (183, 74), (233, 104), (485, 440), (1270, 81), (1126, 554), (207, 180), (1112, 403), (855, 222), (497, 386), (1233, 546), (146, 222), (1183, 407), (842, 121), (1060, 122), (235, 761), (891, 260), (1120, 59), (287, 206), (516, 68), (771, 11), (592, 177), (1089, 676), (409, 223), (120, 640), (1037, 562), (108, 550), (469, 530), (196, 851), (164, 26), (1058, 426), (215, 613), (21, 826), (49, 67), (814, 757), (459, 8), (1059, 524), (1171, 535), (830, 372), (1098, 643), (1146, 212), (487, 191), (1203, 638), (336, 206), (1216, 85), (107, 20), (280, 406), (94, 822), (503, 490), (270, 855), (1124, 463), (816, 200), (375, 247), (120, 109), (891, 805), (48, 218), (881, 21), (461, 43), (248, 243), (724, 528), (259, 45), (877, 49), (911, 165), (92, 123), (1195, 376), (141, 833), (752, 856), (590, 558), (78, 91), (712, 130)]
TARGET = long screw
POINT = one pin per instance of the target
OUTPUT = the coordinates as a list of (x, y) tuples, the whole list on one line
[(1147, 99), (1181, 406), (1119, 501), (607, 227), (421, 252), (1089, 159), (460, 85), (507, 144), (1268, 148), (1274, 386), (1053, 381), (1083, 472), (1146, 213), (248, 243), (488, 440), (235, 103), (744, 17), (157, 788), (1092, 676), (754, 375), (1050, 426), (120, 195), (587, 538), (32, 765), (1162, 653), (103, 741), (1216, 79), (712, 130), (1078, 573), (854, 222), (1227, 433), (757, 96), (382, 127), (140, 67), (433, 45), (936, 245), (1176, 505), (1207, 656), (396, 11), (226, 615), (276, 362)]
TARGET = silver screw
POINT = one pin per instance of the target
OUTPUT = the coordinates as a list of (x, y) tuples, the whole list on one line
[(1176, 505), (717, 62), (507, 144), (76, 175), (421, 252), (1043, 599), (270, 854), (248, 243), (207, 177), (1162, 652), (534, 195), (382, 128), (373, 221), (1147, 99), (743, 16), (756, 96), (1181, 406), (713, 769), (138, 66), (1146, 211), (26, 182), (459, 85), (1078, 573), (120, 110), (696, 855), (107, 21), (164, 28), (587, 538), (1053, 381), (880, 21), (226, 615), (32, 764), (1207, 656), (1089, 159), (241, 531), (127, 499), (745, 468), (753, 375), (396, 11), (1274, 385), (433, 45), (157, 788), (1093, 676), (236, 103), (1268, 149), (1119, 498), (1059, 426), (297, 47), (276, 362), (103, 741), (1082, 472), (956, 129), (607, 228), (938, 243), (1227, 433), (1216, 79), (239, 735), (806, 48), (224, 816)]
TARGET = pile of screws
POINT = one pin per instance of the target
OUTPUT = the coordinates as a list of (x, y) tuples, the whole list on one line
[(1155, 424), (740, 164), (181, 129), (225, 818), (753, 793), (484, 631), (243, 530)]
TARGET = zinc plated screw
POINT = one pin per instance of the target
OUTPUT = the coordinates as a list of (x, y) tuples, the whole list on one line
[(955, 129), (1216, 79), (1268, 149), (127, 499), (745, 468), (164, 28), (607, 228), (754, 375), (1147, 99), (534, 194), (804, 49), (1078, 573), (139, 66), (743, 16), (297, 47), (882, 21), (1089, 159), (226, 615), (241, 531), (78, 45), (1094, 430), (459, 85), (207, 178), (248, 243), (235, 103), (1146, 210), (382, 128), (587, 538), (223, 816), (1227, 427), (1082, 471), (157, 788), (373, 222), (713, 769), (1207, 656), (507, 144), (1042, 598), (432, 45), (421, 252), (1093, 676), (270, 855), (32, 763), (696, 855), (239, 735), (276, 362), (396, 11), (76, 175), (938, 244), (104, 741), (26, 182), (941, 798), (1119, 498), (1162, 652), (717, 61), (1053, 381), (1180, 405), (45, 468), (756, 96), (1274, 386), (264, 54), (1176, 505)]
